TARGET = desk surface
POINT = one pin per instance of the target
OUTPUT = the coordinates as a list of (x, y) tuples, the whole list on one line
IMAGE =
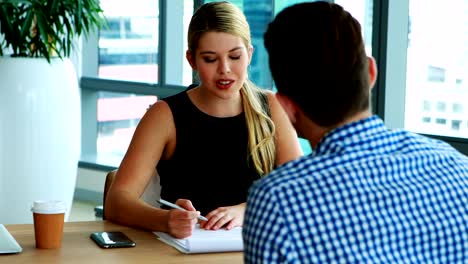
[(77, 247)]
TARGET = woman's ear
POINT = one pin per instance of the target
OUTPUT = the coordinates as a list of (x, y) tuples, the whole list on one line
[(191, 60)]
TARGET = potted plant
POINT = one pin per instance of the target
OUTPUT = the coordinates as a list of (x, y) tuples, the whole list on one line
[(45, 28), (40, 126)]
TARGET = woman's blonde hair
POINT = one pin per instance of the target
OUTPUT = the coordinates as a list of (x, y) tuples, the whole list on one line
[(227, 18)]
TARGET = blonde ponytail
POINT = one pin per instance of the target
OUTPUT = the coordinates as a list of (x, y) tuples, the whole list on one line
[(261, 129)]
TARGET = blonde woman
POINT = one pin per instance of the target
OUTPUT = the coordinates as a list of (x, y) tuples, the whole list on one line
[(210, 142)]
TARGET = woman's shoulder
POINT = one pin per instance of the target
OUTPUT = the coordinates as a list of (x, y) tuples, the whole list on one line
[(267, 99), (149, 130), (270, 95), (159, 111), (265, 95)]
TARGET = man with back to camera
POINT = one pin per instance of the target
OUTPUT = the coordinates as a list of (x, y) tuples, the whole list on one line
[(366, 194)]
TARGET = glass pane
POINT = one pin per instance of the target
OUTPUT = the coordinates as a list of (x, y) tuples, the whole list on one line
[(128, 45), (437, 63), (281, 4), (118, 115), (259, 14)]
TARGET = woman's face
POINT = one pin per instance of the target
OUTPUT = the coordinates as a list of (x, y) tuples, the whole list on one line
[(221, 61)]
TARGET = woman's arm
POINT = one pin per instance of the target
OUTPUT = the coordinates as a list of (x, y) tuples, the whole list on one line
[(154, 138), (287, 142)]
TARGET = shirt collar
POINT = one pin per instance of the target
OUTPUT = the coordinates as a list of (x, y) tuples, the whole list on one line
[(350, 134)]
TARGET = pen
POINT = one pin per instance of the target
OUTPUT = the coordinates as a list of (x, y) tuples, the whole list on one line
[(175, 206)]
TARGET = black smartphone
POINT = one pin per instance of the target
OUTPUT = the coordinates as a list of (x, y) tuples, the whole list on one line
[(115, 239)]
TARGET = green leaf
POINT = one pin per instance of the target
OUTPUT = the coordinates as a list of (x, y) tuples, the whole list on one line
[(57, 22)]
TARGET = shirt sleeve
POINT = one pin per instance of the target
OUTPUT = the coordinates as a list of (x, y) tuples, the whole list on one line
[(264, 233)]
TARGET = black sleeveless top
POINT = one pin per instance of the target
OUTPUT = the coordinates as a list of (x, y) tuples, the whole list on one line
[(210, 164)]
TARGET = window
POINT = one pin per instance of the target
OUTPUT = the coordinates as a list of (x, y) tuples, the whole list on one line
[(437, 59), (457, 108), (441, 121), (140, 57), (133, 67), (426, 105), (440, 106), (128, 45), (435, 74), (130, 71), (117, 117), (456, 124)]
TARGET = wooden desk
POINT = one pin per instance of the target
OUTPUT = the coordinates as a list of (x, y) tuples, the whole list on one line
[(77, 247)]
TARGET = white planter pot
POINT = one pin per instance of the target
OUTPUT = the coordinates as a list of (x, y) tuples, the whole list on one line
[(40, 133)]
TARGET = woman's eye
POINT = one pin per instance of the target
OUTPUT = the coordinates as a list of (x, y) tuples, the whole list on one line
[(235, 57), (209, 60)]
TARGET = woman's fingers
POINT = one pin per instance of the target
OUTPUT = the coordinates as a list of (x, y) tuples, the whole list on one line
[(181, 223), (187, 204), (220, 218)]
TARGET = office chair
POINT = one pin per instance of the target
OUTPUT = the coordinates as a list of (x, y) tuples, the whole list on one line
[(109, 180)]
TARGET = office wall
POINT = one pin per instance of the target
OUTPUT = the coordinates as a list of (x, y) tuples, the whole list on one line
[(90, 185)]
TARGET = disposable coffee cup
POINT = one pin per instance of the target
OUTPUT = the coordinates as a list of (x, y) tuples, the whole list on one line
[(49, 217)]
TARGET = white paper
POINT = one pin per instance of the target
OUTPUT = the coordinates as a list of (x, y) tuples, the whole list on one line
[(205, 241)]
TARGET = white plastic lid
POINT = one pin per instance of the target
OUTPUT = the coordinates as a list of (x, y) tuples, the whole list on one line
[(48, 207)]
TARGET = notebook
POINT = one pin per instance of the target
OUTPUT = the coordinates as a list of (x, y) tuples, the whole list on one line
[(8, 243), (206, 241)]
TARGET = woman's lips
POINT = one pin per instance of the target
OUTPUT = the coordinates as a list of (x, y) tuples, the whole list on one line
[(224, 84)]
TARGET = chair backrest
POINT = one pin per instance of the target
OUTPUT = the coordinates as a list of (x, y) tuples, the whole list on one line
[(109, 180), (150, 195)]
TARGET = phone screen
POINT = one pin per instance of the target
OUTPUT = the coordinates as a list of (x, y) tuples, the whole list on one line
[(114, 239)]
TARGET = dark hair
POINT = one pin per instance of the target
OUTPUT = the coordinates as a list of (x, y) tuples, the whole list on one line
[(317, 58)]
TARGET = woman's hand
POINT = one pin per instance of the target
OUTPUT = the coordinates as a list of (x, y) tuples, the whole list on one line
[(181, 223), (228, 217)]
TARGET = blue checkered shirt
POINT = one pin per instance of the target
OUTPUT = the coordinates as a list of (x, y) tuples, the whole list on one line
[(366, 195)]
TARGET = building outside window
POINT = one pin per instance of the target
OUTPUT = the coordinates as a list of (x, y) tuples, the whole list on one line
[(437, 63)]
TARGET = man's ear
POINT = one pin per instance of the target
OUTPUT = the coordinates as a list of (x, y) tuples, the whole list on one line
[(191, 60), (372, 71), (288, 105)]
